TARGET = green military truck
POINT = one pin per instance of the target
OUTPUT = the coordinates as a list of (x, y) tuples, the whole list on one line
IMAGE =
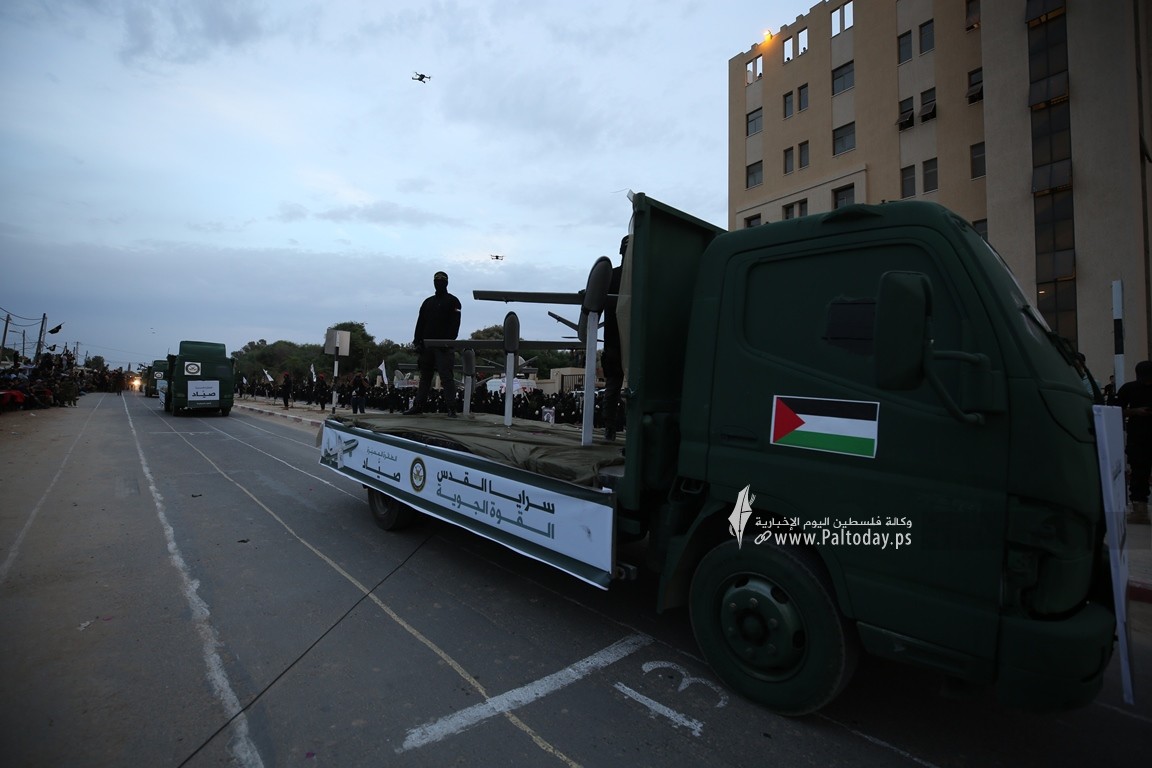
[(155, 385), (200, 378), (846, 432)]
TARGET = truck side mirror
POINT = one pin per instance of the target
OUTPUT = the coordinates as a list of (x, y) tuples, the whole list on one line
[(901, 341)]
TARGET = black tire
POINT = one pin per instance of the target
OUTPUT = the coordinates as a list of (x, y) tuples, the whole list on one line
[(767, 621), (390, 514), (225, 411)]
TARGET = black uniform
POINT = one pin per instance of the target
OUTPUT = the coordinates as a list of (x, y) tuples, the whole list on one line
[(439, 319), (1137, 396), (612, 359)]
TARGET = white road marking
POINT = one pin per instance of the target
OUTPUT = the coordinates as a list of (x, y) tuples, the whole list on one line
[(243, 750), (15, 549), (879, 742), (514, 699), (317, 478), (678, 719), (454, 665)]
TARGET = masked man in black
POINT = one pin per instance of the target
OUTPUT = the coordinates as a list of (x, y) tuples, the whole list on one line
[(439, 319)]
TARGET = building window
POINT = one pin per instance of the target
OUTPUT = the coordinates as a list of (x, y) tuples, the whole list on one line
[(843, 196), (904, 48), (908, 181), (843, 77), (1055, 237), (1051, 148), (789, 160), (803, 152), (754, 70), (976, 159), (796, 209), (1048, 62), (927, 36), (928, 105), (844, 138), (931, 184), (788, 105), (755, 121), (842, 18), (907, 114), (1038, 10), (794, 46), (975, 86), (971, 14), (752, 221), (1056, 301), (802, 97), (754, 175)]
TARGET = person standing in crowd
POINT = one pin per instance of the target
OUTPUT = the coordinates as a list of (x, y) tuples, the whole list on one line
[(439, 319), (1135, 398), (322, 392), (359, 392), (612, 359), (286, 389)]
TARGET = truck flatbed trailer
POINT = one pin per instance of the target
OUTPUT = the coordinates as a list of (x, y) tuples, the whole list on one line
[(530, 486)]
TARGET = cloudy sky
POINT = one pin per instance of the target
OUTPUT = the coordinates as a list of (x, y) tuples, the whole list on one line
[(234, 170)]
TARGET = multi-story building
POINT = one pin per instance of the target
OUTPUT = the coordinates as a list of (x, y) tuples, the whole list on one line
[(1030, 118)]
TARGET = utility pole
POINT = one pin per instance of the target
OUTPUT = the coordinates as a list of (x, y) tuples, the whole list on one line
[(40, 339)]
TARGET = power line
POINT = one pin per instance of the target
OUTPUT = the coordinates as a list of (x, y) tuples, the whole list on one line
[(13, 314)]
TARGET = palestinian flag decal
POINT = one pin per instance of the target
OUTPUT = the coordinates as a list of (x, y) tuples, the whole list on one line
[(833, 426)]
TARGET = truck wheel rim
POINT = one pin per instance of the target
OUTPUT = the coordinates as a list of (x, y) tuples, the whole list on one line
[(762, 627)]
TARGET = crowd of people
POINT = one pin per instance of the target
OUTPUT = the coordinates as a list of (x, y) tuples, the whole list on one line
[(54, 381), (563, 408)]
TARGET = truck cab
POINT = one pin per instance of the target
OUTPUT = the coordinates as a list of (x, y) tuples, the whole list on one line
[(877, 370), (200, 378)]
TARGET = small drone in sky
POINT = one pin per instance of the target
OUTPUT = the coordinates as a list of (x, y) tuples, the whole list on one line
[(496, 256), (420, 77)]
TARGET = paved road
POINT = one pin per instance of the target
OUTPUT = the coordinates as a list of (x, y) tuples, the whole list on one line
[(199, 591)]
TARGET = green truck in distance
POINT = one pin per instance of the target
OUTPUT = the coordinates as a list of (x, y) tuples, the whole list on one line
[(200, 378), (155, 384), (846, 432)]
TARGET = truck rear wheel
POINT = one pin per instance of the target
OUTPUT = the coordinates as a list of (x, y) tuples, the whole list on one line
[(390, 514), (767, 621)]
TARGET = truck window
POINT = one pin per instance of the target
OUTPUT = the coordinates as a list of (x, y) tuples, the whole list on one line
[(816, 311)]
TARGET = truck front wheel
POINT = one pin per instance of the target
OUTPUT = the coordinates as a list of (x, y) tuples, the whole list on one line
[(767, 621), (391, 515)]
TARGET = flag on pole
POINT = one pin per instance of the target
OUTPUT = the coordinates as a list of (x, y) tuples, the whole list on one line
[(312, 367), (834, 426), (383, 370), (268, 375)]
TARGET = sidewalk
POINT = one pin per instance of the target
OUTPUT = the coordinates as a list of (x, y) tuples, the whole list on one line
[(1140, 563), (1139, 536)]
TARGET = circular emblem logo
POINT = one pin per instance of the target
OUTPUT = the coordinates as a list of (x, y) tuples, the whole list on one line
[(192, 369), (417, 474)]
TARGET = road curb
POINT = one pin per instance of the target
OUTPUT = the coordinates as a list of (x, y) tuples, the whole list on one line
[(1139, 592)]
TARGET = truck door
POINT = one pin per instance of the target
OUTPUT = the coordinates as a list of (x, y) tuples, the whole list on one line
[(796, 413)]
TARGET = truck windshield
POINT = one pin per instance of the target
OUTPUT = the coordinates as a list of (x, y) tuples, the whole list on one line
[(1052, 355)]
